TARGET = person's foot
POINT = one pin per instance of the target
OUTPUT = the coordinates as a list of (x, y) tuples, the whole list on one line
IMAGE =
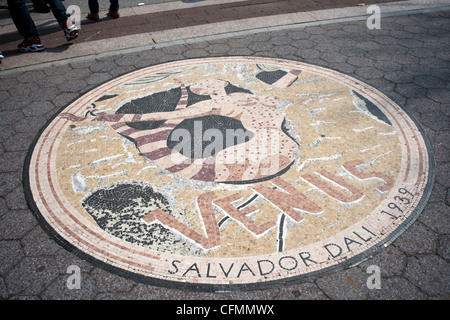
[(70, 30), (93, 16), (1, 56), (31, 45), (114, 14)]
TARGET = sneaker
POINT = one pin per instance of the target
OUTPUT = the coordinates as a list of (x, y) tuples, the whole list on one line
[(114, 14), (32, 45), (93, 16), (1, 56), (70, 30)]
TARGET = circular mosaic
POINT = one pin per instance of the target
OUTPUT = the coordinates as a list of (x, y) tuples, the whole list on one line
[(229, 173)]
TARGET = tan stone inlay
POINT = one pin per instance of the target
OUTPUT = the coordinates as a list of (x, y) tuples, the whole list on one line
[(308, 239)]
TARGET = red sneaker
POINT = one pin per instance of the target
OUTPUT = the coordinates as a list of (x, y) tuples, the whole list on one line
[(70, 30), (32, 45)]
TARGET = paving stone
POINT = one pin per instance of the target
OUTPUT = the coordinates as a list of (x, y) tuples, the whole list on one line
[(430, 273), (3, 207), (10, 254), (270, 294), (334, 57), (409, 90), (360, 61), (260, 46), (139, 292), (66, 259), (4, 95), (439, 95), (435, 120), (326, 47), (168, 58), (396, 289), (3, 290), (218, 49), (107, 282), (127, 60), (349, 284), (38, 108), (435, 216), (369, 73), (177, 49), (398, 76), (240, 52), (16, 200), (19, 142), (194, 53), (73, 85), (280, 40), (9, 82), (31, 76), (309, 53), (10, 181), (233, 43), (98, 78), (57, 70), (391, 261), (11, 161), (151, 54), (23, 89), (37, 243), (16, 224), (59, 289), (157, 293), (39, 272), (429, 82), (286, 50), (305, 291), (101, 66), (64, 99), (343, 67), (417, 239), (121, 70), (443, 247), (411, 54)]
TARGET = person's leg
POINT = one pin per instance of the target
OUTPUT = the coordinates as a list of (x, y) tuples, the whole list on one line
[(60, 14), (114, 5), (22, 19), (40, 6), (93, 10), (114, 8), (58, 10), (93, 6)]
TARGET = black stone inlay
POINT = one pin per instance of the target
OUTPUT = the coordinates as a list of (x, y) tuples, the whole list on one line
[(118, 210), (373, 109), (229, 130), (270, 77)]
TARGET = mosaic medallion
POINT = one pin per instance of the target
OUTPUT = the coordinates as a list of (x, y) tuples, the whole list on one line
[(229, 173)]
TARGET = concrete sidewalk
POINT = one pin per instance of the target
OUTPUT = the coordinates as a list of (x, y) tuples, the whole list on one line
[(154, 25), (408, 59)]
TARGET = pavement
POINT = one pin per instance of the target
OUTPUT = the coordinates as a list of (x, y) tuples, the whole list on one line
[(407, 58)]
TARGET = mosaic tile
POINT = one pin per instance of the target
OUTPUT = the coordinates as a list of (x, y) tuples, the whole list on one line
[(229, 173)]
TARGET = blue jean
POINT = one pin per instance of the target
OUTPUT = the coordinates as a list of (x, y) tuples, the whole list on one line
[(93, 5), (23, 21)]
